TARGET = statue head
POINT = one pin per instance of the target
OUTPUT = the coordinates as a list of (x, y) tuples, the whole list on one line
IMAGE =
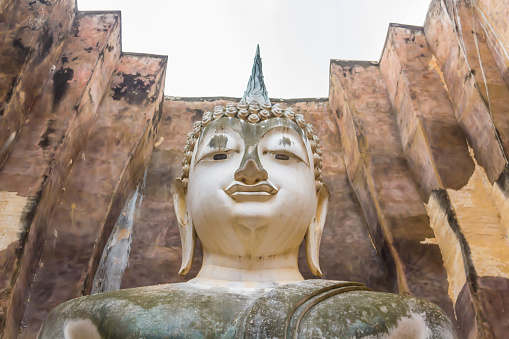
[(251, 185)]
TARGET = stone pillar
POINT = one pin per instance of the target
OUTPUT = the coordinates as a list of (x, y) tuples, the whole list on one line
[(468, 41), (108, 169), (84, 121), (53, 132), (448, 97), (32, 35), (381, 176)]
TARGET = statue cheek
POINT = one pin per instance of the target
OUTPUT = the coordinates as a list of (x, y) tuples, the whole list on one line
[(288, 175), (211, 172)]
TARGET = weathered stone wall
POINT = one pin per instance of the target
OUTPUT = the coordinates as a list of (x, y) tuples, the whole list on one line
[(77, 127), (415, 151), (430, 120)]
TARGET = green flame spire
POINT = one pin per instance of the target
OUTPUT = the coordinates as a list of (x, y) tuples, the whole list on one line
[(256, 90)]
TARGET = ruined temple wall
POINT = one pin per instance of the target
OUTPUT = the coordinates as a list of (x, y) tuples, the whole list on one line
[(77, 124), (415, 152), (441, 92), (468, 54)]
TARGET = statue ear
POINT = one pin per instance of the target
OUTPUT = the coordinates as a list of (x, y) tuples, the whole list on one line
[(315, 229), (187, 232)]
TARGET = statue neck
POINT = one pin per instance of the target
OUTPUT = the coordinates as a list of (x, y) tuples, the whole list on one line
[(247, 272)]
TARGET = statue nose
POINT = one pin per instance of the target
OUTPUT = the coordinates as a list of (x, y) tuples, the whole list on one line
[(251, 173)]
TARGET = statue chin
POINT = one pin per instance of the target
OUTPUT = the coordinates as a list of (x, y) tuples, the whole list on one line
[(253, 223)]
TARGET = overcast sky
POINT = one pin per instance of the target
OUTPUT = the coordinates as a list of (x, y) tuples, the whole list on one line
[(211, 44)]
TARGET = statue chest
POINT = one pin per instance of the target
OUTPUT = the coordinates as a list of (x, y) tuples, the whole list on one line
[(312, 308)]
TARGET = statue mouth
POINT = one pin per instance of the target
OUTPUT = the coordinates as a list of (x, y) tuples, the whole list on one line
[(262, 189)]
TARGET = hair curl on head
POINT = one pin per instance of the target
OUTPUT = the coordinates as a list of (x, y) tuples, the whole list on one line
[(252, 112)]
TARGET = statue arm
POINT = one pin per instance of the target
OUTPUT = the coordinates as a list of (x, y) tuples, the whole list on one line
[(361, 313)]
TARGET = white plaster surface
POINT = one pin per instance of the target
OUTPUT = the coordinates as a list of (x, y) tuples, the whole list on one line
[(12, 207), (81, 329), (251, 201)]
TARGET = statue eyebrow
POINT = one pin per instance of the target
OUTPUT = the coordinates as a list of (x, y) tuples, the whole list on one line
[(218, 141)]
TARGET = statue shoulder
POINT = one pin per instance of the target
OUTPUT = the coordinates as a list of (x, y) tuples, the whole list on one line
[(180, 310), (324, 308)]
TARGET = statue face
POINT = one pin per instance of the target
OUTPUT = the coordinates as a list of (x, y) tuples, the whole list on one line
[(251, 187)]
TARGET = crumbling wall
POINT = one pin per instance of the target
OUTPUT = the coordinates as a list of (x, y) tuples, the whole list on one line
[(438, 99), (414, 145), (77, 127)]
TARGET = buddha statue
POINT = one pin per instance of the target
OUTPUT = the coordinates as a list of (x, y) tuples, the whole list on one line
[(251, 191)]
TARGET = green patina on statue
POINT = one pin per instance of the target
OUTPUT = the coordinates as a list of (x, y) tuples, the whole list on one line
[(251, 191)]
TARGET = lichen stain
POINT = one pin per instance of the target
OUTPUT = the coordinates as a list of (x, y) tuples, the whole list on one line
[(45, 139), (285, 142), (22, 50), (46, 44), (218, 141), (197, 114), (134, 88), (61, 81), (8, 95)]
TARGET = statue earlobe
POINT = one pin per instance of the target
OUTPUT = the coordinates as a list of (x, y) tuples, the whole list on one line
[(315, 229), (187, 231)]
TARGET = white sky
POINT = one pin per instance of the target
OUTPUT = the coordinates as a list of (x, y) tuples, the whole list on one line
[(211, 44)]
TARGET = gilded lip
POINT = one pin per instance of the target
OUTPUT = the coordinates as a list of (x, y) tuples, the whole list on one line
[(262, 188)]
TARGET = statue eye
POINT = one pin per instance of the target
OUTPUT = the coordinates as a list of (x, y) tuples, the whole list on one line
[(280, 156), (220, 156)]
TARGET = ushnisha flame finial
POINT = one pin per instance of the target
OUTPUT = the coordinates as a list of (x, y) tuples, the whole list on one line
[(257, 109), (256, 90)]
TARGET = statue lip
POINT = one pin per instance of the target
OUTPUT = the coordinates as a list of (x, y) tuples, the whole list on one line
[(263, 188)]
